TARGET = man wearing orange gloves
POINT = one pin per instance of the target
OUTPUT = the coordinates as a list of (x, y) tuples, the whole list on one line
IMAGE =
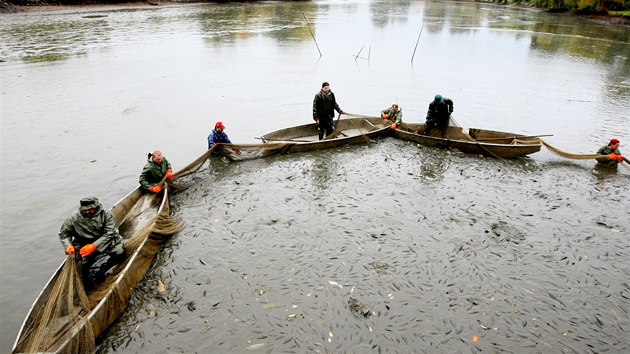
[(393, 113), (156, 168), (612, 154), (92, 233)]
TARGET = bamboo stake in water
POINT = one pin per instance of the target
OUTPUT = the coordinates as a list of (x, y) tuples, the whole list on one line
[(414, 49), (312, 35), (359, 53)]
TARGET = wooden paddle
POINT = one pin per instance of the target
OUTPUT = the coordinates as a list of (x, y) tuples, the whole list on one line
[(296, 140), (515, 137), (474, 140)]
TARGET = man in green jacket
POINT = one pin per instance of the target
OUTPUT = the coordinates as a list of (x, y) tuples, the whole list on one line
[(613, 155), (92, 233), (154, 171), (393, 113)]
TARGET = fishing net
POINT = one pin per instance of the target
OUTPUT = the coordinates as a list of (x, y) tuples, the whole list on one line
[(569, 155), (241, 152), (67, 306)]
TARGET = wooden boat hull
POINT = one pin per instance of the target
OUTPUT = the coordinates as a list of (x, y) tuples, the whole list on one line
[(352, 131), (497, 144), (131, 213)]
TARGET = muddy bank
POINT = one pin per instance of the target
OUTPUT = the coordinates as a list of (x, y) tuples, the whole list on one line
[(11, 8)]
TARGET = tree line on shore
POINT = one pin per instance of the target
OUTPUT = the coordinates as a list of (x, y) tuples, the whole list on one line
[(610, 7)]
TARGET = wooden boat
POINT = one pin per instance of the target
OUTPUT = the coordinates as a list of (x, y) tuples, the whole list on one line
[(132, 213), (475, 141), (347, 131)]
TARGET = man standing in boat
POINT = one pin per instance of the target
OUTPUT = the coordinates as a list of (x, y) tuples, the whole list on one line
[(218, 136), (439, 114), (154, 171), (393, 113), (612, 154), (324, 107), (92, 233)]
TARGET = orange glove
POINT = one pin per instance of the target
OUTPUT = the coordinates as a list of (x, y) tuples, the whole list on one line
[(385, 116), (619, 158), (169, 174), (394, 126), (87, 250), (155, 189), (615, 157), (237, 151), (70, 250)]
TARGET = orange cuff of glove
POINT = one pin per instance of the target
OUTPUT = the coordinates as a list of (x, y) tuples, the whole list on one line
[(70, 250), (394, 126), (169, 174), (385, 116), (155, 189), (87, 250)]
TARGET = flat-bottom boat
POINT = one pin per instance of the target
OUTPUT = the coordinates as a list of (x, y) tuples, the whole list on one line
[(475, 141), (135, 216), (347, 131)]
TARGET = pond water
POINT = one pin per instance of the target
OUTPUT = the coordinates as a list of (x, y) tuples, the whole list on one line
[(283, 254)]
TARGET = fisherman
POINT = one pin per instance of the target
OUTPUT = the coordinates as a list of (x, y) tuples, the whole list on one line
[(613, 155), (92, 233), (154, 171), (439, 114), (393, 113), (324, 107), (218, 136)]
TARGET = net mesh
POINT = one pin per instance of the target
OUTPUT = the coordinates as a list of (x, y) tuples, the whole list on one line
[(569, 155), (240, 152), (67, 322)]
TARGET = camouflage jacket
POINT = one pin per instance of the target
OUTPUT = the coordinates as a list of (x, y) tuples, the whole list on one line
[(396, 118)]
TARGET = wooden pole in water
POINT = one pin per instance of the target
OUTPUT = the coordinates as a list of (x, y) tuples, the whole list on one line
[(359, 53), (312, 35), (414, 49)]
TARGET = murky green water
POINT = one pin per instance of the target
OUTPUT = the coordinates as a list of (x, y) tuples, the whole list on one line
[(528, 255)]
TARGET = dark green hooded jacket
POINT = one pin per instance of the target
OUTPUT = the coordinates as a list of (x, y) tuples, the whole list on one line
[(99, 230), (153, 173)]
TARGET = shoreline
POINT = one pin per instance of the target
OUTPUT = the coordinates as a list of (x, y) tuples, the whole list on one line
[(19, 9)]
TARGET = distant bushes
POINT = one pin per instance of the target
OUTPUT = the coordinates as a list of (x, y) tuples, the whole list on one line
[(580, 6)]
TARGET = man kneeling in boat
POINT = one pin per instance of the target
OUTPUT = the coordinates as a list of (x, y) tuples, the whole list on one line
[(393, 113), (154, 171), (92, 233), (439, 114)]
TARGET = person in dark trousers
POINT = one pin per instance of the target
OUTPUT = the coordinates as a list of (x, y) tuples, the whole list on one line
[(439, 114), (324, 107), (154, 171), (613, 155), (92, 233), (218, 136)]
